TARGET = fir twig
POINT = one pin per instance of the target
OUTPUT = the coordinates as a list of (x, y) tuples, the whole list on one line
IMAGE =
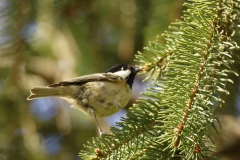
[(192, 62)]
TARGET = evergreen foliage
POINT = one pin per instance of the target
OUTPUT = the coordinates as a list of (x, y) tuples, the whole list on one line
[(192, 62), (43, 42)]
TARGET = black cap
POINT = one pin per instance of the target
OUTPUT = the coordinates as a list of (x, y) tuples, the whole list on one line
[(131, 76)]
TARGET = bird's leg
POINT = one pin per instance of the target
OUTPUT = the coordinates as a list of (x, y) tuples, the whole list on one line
[(94, 115)]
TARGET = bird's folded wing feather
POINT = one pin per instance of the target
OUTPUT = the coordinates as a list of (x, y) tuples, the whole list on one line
[(89, 78)]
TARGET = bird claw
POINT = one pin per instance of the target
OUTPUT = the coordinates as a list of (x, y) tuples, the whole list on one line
[(102, 133)]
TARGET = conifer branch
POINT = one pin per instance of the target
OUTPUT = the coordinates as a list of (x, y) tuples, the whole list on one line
[(192, 62), (194, 92), (118, 145)]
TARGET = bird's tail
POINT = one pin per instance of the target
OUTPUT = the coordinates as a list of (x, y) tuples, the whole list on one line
[(39, 92)]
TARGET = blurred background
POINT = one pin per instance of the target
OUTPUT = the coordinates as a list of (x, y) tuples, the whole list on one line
[(46, 41)]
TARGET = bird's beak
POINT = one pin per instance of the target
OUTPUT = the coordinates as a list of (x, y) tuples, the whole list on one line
[(137, 70)]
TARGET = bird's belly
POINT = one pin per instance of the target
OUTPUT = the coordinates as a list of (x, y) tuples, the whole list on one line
[(105, 98)]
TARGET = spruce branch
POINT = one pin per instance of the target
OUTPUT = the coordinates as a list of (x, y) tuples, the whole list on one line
[(192, 62)]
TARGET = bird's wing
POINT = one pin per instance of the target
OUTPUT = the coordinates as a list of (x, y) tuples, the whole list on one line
[(89, 78)]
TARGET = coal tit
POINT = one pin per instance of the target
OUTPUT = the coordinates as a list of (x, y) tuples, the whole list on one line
[(101, 94)]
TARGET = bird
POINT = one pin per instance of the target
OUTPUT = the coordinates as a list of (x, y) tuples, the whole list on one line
[(97, 95)]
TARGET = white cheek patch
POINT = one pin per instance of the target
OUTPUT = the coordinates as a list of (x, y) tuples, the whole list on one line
[(123, 74)]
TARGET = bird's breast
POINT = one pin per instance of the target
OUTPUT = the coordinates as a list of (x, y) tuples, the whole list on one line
[(106, 98)]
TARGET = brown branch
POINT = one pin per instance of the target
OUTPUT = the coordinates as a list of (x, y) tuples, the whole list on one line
[(159, 63), (219, 26), (193, 93)]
